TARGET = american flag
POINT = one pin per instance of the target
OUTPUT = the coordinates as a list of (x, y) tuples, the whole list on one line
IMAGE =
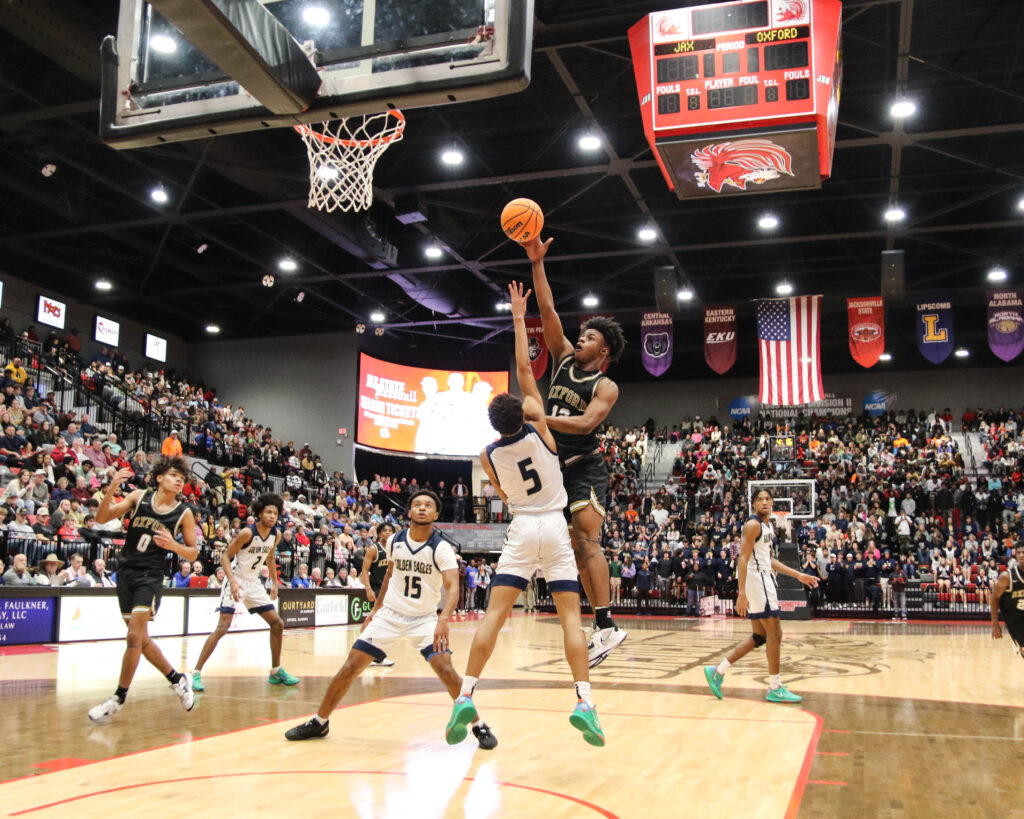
[(788, 332)]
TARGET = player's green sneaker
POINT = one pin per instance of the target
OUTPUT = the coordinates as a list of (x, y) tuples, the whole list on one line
[(584, 719), (781, 694), (197, 684), (282, 677), (463, 713), (714, 680)]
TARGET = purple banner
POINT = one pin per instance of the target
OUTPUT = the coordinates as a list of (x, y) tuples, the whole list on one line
[(1006, 323), (25, 620), (935, 327), (656, 341)]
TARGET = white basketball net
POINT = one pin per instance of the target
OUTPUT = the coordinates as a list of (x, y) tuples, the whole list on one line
[(342, 156)]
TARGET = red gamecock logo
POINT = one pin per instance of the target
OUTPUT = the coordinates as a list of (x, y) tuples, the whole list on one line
[(787, 11), (741, 162), (671, 24)]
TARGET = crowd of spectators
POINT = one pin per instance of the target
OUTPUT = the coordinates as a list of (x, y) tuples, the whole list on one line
[(893, 494)]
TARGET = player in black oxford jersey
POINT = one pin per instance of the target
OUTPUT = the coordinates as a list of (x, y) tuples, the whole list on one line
[(579, 399), (155, 518), (375, 566), (1008, 596)]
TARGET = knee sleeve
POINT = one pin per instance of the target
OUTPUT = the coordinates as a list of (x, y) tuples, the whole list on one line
[(759, 640)]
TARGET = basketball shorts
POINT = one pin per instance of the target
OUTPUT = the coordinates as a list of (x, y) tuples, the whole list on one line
[(139, 591), (536, 540), (254, 597), (586, 484), (388, 626), (762, 596)]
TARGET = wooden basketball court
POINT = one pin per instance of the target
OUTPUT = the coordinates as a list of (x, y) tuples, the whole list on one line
[(897, 720)]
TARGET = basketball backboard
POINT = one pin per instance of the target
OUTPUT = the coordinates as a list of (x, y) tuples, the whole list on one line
[(372, 55), (795, 497)]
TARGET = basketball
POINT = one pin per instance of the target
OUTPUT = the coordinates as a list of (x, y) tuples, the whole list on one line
[(522, 220)]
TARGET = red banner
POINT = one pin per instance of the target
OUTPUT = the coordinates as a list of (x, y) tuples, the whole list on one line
[(867, 329), (538, 346), (720, 338), (583, 320)]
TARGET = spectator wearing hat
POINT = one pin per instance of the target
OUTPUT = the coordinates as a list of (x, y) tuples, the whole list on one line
[(171, 446), (42, 527), (20, 527), (39, 493), (49, 573)]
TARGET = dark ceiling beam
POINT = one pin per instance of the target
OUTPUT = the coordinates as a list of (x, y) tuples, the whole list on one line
[(11, 122)]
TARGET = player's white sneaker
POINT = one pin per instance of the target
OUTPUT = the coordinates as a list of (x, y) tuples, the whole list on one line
[(105, 710), (387, 662), (183, 688), (603, 641)]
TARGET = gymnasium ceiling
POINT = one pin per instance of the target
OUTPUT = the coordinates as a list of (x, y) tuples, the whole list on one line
[(956, 167)]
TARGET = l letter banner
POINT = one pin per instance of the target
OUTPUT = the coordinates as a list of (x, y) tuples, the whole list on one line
[(867, 329), (656, 338), (1006, 323), (538, 346), (720, 338), (935, 327)]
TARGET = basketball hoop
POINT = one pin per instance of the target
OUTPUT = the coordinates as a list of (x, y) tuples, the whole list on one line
[(781, 517), (342, 156)]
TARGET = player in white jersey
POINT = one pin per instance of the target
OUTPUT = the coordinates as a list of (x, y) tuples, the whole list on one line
[(420, 563), (758, 600), (524, 470), (252, 548)]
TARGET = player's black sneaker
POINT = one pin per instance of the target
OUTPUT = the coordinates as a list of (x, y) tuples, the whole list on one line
[(484, 737), (309, 730)]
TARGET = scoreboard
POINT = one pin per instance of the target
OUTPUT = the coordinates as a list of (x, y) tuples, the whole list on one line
[(740, 97)]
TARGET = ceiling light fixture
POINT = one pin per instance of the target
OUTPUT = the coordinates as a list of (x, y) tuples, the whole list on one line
[(590, 300), (589, 142), (163, 44), (768, 222), (316, 15), (901, 109), (213, 329), (158, 195), (885, 357), (997, 274), (1020, 204), (963, 352), (502, 306), (453, 156), (433, 252), (895, 214), (686, 294), (202, 248), (103, 284), (784, 289), (327, 172), (647, 234), (287, 265), (377, 316)]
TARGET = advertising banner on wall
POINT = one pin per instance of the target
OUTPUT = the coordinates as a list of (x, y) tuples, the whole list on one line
[(203, 616), (26, 620), (838, 404), (866, 317), (935, 327), (332, 607), (537, 345), (98, 617), (297, 607), (656, 342), (720, 337), (1006, 323), (414, 409)]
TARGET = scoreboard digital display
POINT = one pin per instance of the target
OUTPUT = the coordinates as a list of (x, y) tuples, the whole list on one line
[(732, 66)]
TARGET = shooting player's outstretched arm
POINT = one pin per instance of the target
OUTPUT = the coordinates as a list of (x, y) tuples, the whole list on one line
[(558, 345), (533, 403)]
